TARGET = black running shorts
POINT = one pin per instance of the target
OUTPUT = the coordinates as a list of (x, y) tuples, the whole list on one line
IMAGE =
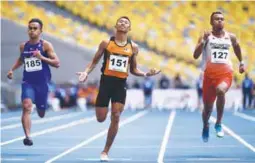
[(111, 88)]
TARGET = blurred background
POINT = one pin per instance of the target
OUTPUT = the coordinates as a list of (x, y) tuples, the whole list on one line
[(166, 32)]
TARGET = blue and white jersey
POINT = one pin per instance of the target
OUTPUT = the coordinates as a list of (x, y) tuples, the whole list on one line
[(35, 70)]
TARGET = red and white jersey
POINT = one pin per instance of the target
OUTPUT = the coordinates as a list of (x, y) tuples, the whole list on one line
[(216, 55)]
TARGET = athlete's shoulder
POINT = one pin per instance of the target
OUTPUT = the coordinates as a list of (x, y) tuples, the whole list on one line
[(135, 47), (134, 44), (46, 43), (231, 35), (104, 43), (233, 38), (22, 45)]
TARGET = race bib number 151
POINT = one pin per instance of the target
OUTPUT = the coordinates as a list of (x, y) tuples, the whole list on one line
[(118, 63), (33, 64)]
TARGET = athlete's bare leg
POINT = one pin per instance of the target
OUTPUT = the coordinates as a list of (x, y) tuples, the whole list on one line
[(207, 113), (205, 116), (101, 113), (25, 119), (117, 109), (220, 103)]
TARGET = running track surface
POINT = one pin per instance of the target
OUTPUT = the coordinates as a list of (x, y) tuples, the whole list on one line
[(144, 136)]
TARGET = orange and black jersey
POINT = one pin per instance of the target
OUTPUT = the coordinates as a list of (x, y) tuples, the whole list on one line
[(117, 59)]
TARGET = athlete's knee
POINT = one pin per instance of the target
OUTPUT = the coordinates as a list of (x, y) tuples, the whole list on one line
[(27, 106), (101, 119), (208, 106), (115, 117), (220, 92), (101, 113), (207, 111)]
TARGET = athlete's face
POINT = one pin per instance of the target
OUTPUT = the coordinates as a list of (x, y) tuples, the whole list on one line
[(218, 21), (123, 25), (34, 30)]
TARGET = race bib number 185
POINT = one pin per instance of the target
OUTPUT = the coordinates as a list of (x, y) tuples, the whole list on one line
[(219, 56), (33, 64), (118, 63)]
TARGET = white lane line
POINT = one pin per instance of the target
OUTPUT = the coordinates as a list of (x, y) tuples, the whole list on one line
[(19, 117), (15, 118), (13, 159), (53, 129), (213, 159), (110, 159), (245, 116), (40, 121), (234, 135), (10, 119), (97, 136), (166, 137)]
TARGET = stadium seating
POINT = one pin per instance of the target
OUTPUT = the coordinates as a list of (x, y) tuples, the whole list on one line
[(172, 28), (75, 32)]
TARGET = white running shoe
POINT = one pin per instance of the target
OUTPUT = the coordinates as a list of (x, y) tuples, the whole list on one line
[(104, 157), (219, 130)]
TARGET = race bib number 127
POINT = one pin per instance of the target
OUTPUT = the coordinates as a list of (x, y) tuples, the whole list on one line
[(33, 64), (219, 56), (118, 63)]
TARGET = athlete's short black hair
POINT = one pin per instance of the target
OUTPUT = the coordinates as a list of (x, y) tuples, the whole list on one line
[(36, 20), (216, 12), (125, 17)]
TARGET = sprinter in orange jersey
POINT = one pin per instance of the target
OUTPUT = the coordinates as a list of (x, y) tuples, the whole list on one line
[(119, 56), (215, 47)]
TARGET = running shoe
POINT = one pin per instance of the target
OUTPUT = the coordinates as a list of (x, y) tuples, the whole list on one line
[(104, 157), (219, 130), (205, 134), (28, 142)]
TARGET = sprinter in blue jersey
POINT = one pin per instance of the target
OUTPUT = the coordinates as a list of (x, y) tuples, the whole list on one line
[(36, 55)]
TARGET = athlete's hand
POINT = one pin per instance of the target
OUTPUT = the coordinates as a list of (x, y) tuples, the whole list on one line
[(206, 35), (153, 72), (82, 76), (241, 68), (37, 54), (10, 74)]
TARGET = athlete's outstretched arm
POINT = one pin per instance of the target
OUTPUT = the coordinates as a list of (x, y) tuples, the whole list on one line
[(17, 64), (201, 41), (237, 50), (199, 48), (236, 47), (133, 65), (97, 56), (83, 75)]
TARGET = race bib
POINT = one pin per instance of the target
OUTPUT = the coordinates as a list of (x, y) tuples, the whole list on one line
[(118, 63), (219, 55), (33, 64)]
